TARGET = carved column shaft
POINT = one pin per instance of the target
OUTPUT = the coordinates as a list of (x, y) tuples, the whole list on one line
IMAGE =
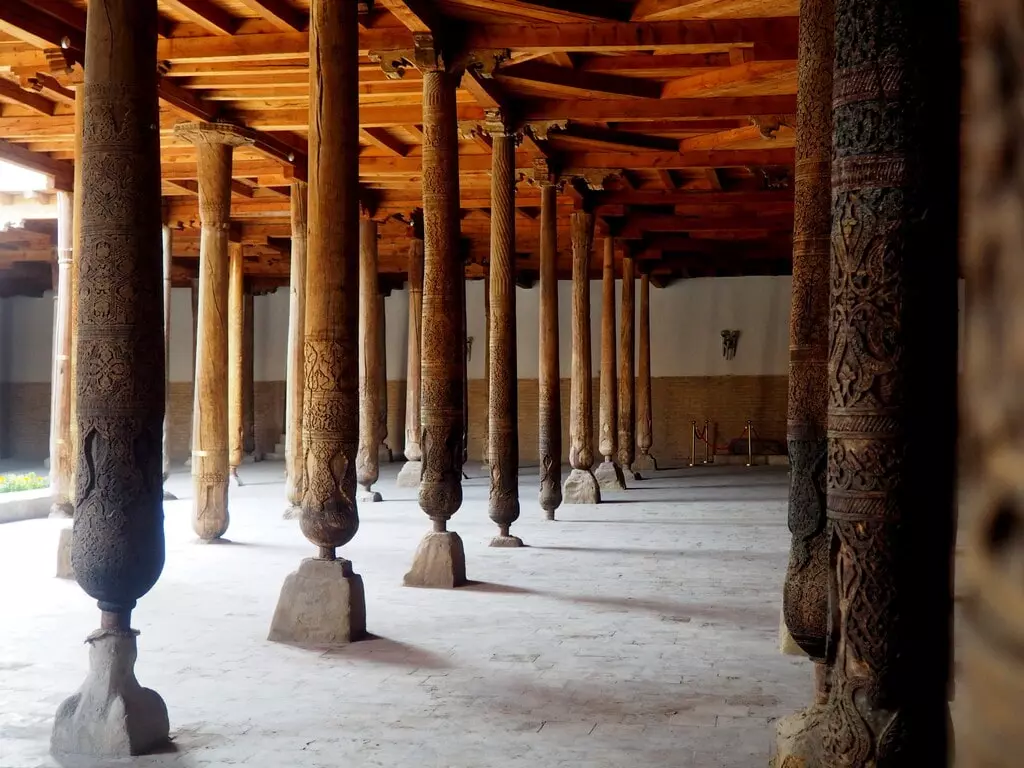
[(549, 406), (485, 424), (608, 412), (382, 380), (248, 374), (503, 400), (413, 358), (75, 272), (627, 367), (296, 358), (644, 423), (60, 418), (892, 379), (236, 356), (331, 398), (367, 460)]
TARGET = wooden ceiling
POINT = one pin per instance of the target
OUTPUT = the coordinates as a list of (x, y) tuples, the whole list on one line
[(672, 119)]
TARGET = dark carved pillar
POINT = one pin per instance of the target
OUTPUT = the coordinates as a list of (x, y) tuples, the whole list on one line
[(581, 486), (609, 473), (440, 559), (323, 601), (167, 240), (991, 678), (368, 458), (296, 359), (627, 366), (503, 399), (485, 423), (644, 461), (409, 476), (118, 543), (549, 398)]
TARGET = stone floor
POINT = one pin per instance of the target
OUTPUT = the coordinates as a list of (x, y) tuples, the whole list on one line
[(641, 632)]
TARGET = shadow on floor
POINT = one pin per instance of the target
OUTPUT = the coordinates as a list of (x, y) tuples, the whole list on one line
[(490, 587), (374, 648), (707, 554), (744, 616)]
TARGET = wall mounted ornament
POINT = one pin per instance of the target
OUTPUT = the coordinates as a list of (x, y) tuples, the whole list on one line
[(729, 341)]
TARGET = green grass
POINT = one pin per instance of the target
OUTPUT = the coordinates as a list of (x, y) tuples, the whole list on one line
[(31, 481)]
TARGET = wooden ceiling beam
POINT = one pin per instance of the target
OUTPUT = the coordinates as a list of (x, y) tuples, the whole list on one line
[(580, 84), (557, 10), (381, 139), (11, 91), (207, 15), (47, 84), (486, 91), (279, 13), (634, 110), (269, 47), (616, 140), (62, 172), (415, 15), (745, 74), (38, 29), (720, 138)]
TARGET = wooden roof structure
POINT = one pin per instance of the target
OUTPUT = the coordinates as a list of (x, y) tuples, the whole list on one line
[(672, 119)]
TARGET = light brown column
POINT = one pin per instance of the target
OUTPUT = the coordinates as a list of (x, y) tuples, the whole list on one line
[(194, 286), (503, 400), (236, 359), (214, 143), (367, 459), (296, 358), (75, 264), (440, 559), (409, 475), (118, 546), (644, 461), (990, 590), (485, 442), (168, 242), (322, 603), (581, 486), (549, 406), (248, 377), (60, 417), (609, 473), (384, 453), (627, 367)]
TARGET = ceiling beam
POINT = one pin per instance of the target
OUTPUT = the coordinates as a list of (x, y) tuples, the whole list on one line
[(616, 140), (558, 10), (633, 110), (270, 47), (486, 91), (205, 14), (415, 15), (36, 28), (62, 172), (742, 74), (720, 138), (11, 91), (44, 83), (279, 13), (581, 84), (381, 139)]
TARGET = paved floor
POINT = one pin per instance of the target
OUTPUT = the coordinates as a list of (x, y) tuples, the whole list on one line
[(641, 632)]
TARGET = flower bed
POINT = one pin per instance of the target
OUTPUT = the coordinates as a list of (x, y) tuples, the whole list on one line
[(26, 482)]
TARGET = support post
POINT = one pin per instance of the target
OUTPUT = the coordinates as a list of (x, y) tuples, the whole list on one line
[(60, 417), (236, 360), (581, 486), (368, 456), (485, 442), (118, 543), (296, 324), (323, 603), (409, 475), (384, 453), (215, 143), (440, 560), (249, 376), (627, 366), (644, 423), (168, 241), (549, 397), (609, 473)]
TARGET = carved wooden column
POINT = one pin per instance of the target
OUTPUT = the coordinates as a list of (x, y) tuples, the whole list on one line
[(609, 473), (118, 543), (323, 601), (236, 359), (368, 457), (627, 367), (549, 405), (892, 379), (485, 442), (440, 559), (248, 376), (990, 688), (296, 359), (644, 461), (60, 417), (384, 453), (167, 242), (805, 593), (503, 397), (194, 286), (215, 144), (409, 475), (581, 486)]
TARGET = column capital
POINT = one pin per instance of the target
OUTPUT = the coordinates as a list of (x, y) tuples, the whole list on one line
[(212, 133)]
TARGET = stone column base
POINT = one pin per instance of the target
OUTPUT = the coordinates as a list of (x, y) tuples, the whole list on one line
[(643, 463), (409, 475), (64, 569), (111, 716), (440, 562), (609, 477), (506, 541), (322, 603), (798, 740), (581, 488), (369, 497)]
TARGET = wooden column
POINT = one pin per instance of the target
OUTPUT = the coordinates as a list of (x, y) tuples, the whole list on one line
[(248, 376), (627, 367), (609, 473), (805, 592), (485, 442), (990, 678), (440, 559), (367, 459), (893, 377), (236, 359), (118, 543), (503, 399), (644, 461), (60, 416), (330, 418), (549, 405), (215, 144), (409, 476), (384, 453), (75, 269), (296, 333), (167, 241), (581, 486)]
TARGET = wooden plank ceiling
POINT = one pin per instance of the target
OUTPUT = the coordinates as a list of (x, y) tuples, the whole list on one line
[(674, 117)]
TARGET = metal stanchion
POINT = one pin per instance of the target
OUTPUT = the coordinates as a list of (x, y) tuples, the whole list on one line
[(707, 443), (693, 441), (750, 443)]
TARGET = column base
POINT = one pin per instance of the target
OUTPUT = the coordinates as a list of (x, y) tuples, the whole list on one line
[(111, 716), (62, 510), (440, 562), (370, 497), (643, 463), (507, 541), (609, 477), (322, 603), (787, 645), (64, 569), (581, 488), (409, 475), (293, 512), (798, 739)]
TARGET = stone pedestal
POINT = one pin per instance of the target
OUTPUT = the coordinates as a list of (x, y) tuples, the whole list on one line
[(644, 463), (507, 541), (64, 568), (609, 476), (409, 475), (797, 739), (111, 715), (369, 496), (322, 603), (440, 562), (581, 488)]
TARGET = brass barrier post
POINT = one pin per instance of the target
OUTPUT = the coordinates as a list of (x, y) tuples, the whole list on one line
[(750, 441), (693, 441)]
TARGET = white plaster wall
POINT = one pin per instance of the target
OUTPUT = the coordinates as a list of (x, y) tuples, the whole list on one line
[(181, 334), (270, 328), (30, 330)]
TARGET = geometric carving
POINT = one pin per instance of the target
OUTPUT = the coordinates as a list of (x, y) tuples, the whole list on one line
[(549, 395)]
